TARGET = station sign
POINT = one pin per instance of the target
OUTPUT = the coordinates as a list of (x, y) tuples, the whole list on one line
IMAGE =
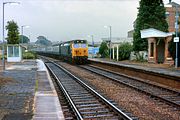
[(176, 39)]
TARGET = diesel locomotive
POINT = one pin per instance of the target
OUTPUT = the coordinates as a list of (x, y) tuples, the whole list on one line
[(74, 51)]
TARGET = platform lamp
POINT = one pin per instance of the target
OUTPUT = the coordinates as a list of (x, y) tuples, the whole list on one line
[(110, 35), (22, 27), (176, 39), (3, 54)]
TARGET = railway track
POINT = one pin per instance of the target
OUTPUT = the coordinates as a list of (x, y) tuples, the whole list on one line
[(165, 95), (66, 108), (85, 101), (164, 77)]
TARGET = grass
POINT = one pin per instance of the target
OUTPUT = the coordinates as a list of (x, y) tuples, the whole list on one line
[(36, 86)]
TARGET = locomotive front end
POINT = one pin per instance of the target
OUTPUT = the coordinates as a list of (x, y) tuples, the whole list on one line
[(80, 51)]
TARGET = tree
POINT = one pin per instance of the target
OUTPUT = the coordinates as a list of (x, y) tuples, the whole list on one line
[(43, 41), (103, 50), (13, 33), (125, 50), (151, 15), (23, 39)]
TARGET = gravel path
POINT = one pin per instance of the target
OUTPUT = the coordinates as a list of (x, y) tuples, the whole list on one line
[(17, 94), (137, 103)]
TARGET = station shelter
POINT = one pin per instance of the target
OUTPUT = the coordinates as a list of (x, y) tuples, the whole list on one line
[(158, 43), (14, 53)]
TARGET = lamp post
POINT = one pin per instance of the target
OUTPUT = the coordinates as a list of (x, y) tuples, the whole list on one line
[(3, 55), (110, 34), (92, 37), (177, 42), (23, 26)]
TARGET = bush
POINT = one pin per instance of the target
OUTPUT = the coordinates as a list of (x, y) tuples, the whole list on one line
[(5, 57), (140, 56), (125, 50), (29, 55), (103, 50)]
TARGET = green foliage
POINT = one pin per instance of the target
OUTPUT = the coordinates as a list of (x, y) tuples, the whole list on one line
[(151, 15), (36, 86), (43, 41), (13, 32), (140, 57), (1, 57), (103, 50), (23, 39), (172, 49), (125, 50), (29, 55)]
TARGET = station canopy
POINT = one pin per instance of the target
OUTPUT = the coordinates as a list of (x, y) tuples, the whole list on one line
[(151, 32)]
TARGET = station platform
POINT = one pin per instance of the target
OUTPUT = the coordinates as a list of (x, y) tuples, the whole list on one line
[(47, 106), (27, 92), (149, 67)]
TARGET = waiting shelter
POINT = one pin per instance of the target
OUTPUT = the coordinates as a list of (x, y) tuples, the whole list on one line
[(14, 53), (158, 43)]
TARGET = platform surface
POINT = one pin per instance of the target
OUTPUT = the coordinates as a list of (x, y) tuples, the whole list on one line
[(156, 68), (47, 106), (27, 92)]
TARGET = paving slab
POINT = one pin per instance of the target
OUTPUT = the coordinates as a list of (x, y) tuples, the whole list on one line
[(47, 106)]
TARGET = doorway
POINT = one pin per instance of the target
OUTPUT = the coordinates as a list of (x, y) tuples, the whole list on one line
[(160, 50)]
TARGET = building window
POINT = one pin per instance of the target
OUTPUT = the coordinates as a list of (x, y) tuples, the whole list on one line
[(152, 50), (10, 51), (13, 51), (16, 51)]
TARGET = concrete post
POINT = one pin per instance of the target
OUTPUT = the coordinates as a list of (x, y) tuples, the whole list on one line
[(117, 53), (113, 52)]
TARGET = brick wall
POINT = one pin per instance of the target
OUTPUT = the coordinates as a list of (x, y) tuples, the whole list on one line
[(170, 14)]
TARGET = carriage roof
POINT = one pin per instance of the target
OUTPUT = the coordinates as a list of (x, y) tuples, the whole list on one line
[(68, 42)]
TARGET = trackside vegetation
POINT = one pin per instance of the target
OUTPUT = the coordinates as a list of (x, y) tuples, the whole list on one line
[(151, 14), (29, 55)]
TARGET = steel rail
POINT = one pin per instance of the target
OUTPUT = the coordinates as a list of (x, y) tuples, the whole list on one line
[(133, 68), (136, 79), (135, 87), (113, 107), (117, 110), (66, 94)]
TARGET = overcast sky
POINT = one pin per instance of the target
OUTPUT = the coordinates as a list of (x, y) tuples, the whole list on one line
[(61, 20)]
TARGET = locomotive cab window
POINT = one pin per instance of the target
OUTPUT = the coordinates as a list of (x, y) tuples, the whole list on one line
[(83, 45), (76, 45), (80, 43)]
